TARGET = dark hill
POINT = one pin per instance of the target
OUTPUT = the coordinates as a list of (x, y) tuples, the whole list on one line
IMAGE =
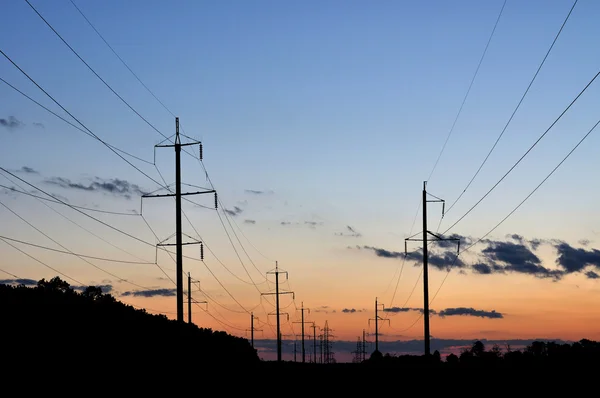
[(51, 324)]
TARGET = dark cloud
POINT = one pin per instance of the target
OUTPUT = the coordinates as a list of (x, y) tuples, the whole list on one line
[(29, 170), (441, 261), (114, 186), (350, 310), (448, 312), (151, 293), (396, 310), (38, 124), (20, 281), (516, 257), (573, 259), (236, 210), (11, 123), (451, 241), (592, 275), (107, 288), (250, 221), (383, 252), (285, 223), (470, 312), (483, 268), (255, 192)]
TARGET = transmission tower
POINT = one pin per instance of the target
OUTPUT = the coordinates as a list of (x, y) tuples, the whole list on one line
[(377, 319), (425, 239), (302, 309), (328, 354), (364, 346), (314, 328), (252, 328), (358, 353), (179, 242), (191, 299), (277, 293)]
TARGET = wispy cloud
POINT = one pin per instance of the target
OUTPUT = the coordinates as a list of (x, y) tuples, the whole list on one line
[(38, 124), (20, 281), (28, 170), (106, 288), (350, 310), (462, 311), (250, 221), (150, 293), (450, 312), (350, 232), (11, 123), (114, 186), (236, 210)]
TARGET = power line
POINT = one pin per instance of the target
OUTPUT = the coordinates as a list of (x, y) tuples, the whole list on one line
[(40, 261), (468, 91), (13, 189), (70, 123), (525, 154), (73, 253), (75, 223), (121, 59), (77, 120), (515, 110), (93, 71)]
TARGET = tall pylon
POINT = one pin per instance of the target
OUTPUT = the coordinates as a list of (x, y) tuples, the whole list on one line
[(328, 354), (191, 299), (252, 328), (364, 345), (277, 293), (179, 241), (314, 328), (302, 309), (425, 239), (377, 319)]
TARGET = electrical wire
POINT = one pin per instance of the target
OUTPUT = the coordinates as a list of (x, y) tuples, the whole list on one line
[(73, 253), (12, 189), (526, 153), (40, 261), (93, 71), (514, 111), (121, 59), (70, 123), (468, 91)]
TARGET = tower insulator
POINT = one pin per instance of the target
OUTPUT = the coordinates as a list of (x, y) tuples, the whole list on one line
[(200, 151), (216, 201), (201, 251)]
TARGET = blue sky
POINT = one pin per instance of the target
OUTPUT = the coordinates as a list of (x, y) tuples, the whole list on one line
[(335, 110)]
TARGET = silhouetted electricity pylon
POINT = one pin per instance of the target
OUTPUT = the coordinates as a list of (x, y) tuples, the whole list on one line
[(377, 319), (302, 309), (277, 293), (314, 328), (425, 239), (328, 354), (252, 328), (364, 346), (191, 299), (179, 242)]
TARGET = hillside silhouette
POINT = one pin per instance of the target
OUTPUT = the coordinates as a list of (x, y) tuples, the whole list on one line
[(93, 328)]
